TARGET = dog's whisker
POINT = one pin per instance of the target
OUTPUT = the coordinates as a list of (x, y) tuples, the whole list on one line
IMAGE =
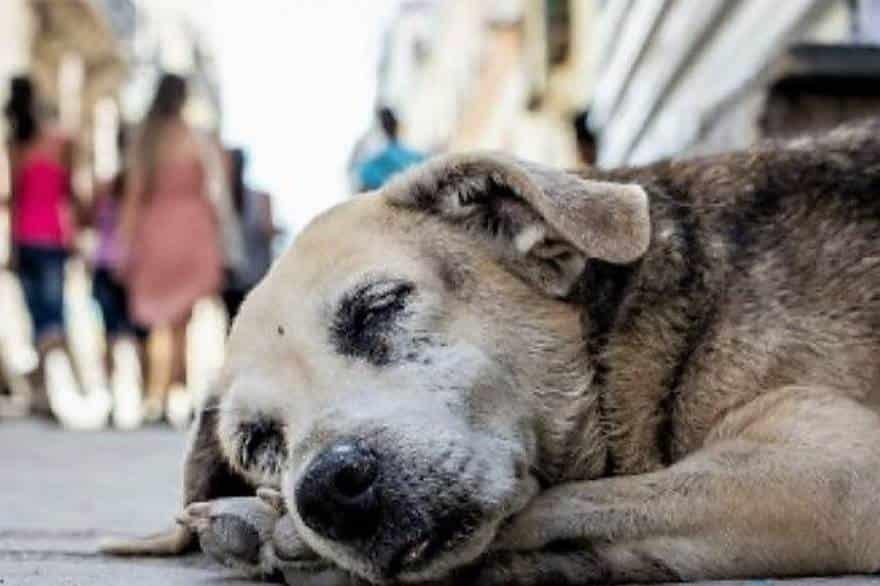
[(217, 408)]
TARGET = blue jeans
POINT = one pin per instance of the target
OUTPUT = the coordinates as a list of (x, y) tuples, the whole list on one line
[(41, 270)]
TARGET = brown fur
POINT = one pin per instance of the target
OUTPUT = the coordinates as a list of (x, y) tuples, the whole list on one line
[(700, 405), (761, 275), (734, 375)]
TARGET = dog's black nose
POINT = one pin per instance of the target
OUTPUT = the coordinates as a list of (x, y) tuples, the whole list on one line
[(337, 496)]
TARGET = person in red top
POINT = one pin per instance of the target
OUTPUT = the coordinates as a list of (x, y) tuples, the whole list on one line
[(42, 223), (42, 237)]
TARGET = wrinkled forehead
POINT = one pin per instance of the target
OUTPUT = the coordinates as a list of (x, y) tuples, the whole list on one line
[(362, 235), (357, 241)]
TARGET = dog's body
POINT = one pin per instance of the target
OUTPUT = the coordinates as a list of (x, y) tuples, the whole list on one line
[(670, 372)]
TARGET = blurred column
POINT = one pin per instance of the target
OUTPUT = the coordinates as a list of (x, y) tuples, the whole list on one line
[(17, 356), (71, 82), (106, 131), (5, 227), (71, 73), (868, 27), (15, 37), (16, 30)]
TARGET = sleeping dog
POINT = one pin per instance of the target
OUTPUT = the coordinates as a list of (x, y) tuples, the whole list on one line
[(492, 372)]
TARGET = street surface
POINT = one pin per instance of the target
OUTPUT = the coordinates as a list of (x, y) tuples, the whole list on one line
[(60, 492)]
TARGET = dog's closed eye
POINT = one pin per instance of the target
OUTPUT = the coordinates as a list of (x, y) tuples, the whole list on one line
[(366, 315)]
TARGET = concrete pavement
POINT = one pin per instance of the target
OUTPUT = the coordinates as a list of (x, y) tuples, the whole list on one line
[(60, 492)]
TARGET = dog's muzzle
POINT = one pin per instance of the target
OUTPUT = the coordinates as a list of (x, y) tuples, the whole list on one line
[(402, 511), (356, 497)]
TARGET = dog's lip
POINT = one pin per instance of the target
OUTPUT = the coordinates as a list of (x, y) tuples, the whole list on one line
[(413, 555), (408, 556), (421, 551)]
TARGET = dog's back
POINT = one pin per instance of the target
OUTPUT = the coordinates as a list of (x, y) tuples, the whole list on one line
[(774, 258)]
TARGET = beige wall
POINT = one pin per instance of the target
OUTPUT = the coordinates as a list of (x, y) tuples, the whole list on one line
[(486, 62)]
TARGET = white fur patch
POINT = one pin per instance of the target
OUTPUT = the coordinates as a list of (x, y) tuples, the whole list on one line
[(528, 237)]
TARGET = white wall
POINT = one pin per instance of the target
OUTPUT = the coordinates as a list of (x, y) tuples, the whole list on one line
[(15, 35), (674, 69)]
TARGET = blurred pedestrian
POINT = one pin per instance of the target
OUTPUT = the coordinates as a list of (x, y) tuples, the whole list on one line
[(124, 339), (43, 235), (171, 234), (253, 211), (392, 159), (585, 139)]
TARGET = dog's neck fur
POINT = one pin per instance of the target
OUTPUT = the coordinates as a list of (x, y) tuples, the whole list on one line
[(621, 432)]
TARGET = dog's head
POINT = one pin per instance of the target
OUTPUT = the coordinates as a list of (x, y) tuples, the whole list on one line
[(392, 372)]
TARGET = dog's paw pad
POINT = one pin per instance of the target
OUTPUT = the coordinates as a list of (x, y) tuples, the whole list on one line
[(232, 530), (253, 535), (232, 537)]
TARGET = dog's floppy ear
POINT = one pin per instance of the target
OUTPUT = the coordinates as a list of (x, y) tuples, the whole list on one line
[(544, 223)]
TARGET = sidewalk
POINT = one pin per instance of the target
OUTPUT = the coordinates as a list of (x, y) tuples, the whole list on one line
[(60, 492)]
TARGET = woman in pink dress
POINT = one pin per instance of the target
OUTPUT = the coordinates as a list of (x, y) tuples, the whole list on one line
[(169, 228)]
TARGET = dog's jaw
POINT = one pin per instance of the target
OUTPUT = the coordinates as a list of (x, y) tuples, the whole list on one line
[(411, 566)]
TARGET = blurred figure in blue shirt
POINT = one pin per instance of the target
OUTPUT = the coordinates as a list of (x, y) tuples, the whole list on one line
[(392, 159)]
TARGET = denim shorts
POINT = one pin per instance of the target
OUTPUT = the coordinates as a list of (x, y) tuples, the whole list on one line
[(41, 270)]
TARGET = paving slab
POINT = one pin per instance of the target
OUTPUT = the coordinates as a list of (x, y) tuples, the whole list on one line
[(61, 491)]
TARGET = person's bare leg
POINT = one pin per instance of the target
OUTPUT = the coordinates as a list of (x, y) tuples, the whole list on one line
[(126, 382), (159, 352), (178, 356), (178, 408), (36, 378)]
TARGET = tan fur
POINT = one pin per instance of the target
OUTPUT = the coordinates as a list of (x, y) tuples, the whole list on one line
[(693, 386)]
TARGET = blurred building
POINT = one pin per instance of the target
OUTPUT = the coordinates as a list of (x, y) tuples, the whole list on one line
[(95, 64), (168, 36), (82, 51), (658, 77), (500, 74), (677, 76)]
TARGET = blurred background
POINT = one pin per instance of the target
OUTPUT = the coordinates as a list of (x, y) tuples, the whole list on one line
[(291, 106), (156, 155)]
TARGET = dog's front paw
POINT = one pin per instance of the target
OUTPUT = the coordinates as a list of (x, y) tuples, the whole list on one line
[(234, 531), (253, 535)]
